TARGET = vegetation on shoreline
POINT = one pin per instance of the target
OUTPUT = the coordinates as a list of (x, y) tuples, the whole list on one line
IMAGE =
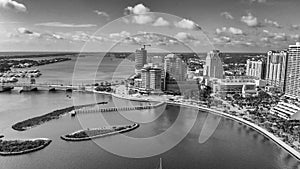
[(17, 147), (1, 136), (98, 132), (29, 123)]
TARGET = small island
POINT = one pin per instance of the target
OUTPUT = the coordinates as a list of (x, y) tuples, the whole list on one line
[(27, 124), (18, 147), (1, 136), (83, 135)]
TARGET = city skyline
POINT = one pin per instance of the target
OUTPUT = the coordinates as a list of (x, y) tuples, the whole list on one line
[(231, 26)]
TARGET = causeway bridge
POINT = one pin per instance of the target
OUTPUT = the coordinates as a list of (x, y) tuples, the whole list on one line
[(97, 109), (40, 86)]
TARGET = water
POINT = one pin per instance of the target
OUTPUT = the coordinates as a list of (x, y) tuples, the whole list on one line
[(231, 146)]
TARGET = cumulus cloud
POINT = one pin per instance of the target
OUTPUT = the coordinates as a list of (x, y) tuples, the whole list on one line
[(227, 15), (59, 24), (140, 14), (13, 5), (250, 20), (161, 22), (33, 34), (231, 30), (187, 24), (273, 23), (138, 9), (102, 13)]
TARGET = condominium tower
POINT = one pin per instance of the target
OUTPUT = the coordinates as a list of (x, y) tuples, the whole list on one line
[(276, 69), (292, 87), (214, 66)]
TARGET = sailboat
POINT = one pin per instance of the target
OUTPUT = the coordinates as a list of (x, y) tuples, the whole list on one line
[(160, 164)]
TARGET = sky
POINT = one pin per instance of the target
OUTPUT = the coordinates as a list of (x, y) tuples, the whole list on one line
[(168, 25)]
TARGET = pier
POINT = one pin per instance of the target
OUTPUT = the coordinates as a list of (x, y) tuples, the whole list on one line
[(97, 109), (40, 86)]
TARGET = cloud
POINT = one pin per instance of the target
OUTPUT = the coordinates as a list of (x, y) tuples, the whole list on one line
[(227, 15), (59, 24), (184, 37), (161, 22), (187, 24), (295, 27), (142, 19), (140, 14), (258, 1), (13, 5), (222, 40), (138, 9), (231, 30), (102, 13), (28, 32), (273, 23), (250, 20), (122, 35)]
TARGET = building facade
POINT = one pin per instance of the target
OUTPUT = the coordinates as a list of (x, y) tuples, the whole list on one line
[(175, 67), (256, 69), (151, 79), (292, 87), (140, 59), (214, 66), (276, 69)]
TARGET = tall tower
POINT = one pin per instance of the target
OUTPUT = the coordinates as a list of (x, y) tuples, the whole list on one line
[(140, 59), (155, 79), (214, 66), (145, 75), (276, 69), (293, 71), (256, 68)]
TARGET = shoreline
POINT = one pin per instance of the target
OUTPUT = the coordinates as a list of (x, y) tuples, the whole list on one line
[(133, 126), (47, 142), (257, 128)]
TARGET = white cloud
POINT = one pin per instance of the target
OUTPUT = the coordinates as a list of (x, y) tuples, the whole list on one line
[(273, 23), (222, 39), (59, 24), (280, 37), (140, 14), (231, 30), (295, 27), (187, 24), (102, 13), (13, 5), (142, 19), (28, 32), (184, 37), (161, 22), (138, 9), (122, 34), (227, 15), (258, 1), (250, 20)]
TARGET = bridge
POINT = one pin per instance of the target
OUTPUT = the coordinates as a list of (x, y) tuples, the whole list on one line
[(44, 86), (97, 109)]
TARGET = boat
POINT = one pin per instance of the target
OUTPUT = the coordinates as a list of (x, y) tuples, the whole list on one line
[(73, 113)]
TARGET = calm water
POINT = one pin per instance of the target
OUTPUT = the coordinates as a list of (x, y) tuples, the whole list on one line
[(231, 146)]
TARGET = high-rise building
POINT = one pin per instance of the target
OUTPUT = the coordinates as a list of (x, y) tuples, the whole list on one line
[(155, 79), (175, 67), (145, 76), (151, 78), (292, 87), (256, 68), (214, 66), (276, 69), (140, 59)]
